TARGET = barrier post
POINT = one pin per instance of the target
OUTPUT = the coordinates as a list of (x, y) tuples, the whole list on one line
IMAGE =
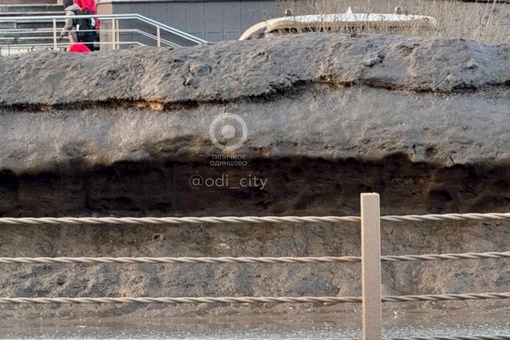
[(158, 36), (371, 266)]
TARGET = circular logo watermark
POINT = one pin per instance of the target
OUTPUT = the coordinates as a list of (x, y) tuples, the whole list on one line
[(228, 131)]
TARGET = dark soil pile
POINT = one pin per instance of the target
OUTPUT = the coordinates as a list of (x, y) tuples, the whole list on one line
[(320, 119)]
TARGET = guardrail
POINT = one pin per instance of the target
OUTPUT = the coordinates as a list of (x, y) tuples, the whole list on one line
[(370, 260), (115, 30)]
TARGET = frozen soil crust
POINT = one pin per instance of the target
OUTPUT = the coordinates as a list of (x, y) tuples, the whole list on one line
[(421, 121)]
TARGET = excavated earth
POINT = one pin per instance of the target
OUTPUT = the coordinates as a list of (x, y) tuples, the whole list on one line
[(142, 132)]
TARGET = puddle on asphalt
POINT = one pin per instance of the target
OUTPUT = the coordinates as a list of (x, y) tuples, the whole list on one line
[(421, 322)]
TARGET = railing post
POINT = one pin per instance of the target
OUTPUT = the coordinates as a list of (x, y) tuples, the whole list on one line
[(55, 46), (371, 266), (158, 36), (113, 33), (117, 38)]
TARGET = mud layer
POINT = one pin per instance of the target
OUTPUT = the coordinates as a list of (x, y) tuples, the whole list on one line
[(320, 119)]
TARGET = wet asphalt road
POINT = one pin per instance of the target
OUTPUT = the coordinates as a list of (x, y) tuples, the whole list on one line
[(449, 320), (153, 331)]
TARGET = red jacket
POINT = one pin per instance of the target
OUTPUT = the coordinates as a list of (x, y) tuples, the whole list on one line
[(89, 5)]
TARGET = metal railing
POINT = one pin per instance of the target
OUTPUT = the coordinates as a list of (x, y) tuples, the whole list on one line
[(370, 260), (114, 32), (58, 45)]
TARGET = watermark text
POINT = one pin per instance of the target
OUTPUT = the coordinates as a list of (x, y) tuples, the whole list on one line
[(224, 181)]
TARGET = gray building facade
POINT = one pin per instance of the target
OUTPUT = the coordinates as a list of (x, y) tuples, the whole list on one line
[(211, 20)]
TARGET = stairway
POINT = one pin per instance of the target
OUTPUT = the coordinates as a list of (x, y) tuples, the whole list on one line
[(18, 36), (27, 2)]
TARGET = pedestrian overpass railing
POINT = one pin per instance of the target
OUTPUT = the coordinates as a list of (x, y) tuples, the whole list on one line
[(116, 28)]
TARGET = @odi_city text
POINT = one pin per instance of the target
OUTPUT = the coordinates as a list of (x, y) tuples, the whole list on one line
[(224, 181)]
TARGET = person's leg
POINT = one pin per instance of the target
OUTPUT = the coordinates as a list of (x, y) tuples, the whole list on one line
[(91, 38)]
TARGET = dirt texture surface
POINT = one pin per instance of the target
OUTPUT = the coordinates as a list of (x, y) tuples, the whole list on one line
[(422, 121)]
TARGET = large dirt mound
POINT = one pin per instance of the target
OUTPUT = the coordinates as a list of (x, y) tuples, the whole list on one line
[(422, 121), (234, 70), (363, 110)]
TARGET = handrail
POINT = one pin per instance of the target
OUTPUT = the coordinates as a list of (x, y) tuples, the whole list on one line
[(14, 49), (20, 46), (26, 46), (135, 16)]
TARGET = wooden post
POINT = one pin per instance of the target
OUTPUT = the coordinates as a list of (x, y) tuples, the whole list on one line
[(371, 266)]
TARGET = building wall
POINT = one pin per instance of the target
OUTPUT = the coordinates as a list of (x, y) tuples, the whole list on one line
[(27, 2), (211, 20)]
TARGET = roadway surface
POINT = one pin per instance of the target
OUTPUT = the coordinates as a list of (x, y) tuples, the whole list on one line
[(419, 323)]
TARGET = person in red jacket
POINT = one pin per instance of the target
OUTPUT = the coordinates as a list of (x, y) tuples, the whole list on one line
[(89, 5)]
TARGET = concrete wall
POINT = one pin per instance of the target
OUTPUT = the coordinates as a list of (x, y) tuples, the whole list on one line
[(27, 2), (212, 20)]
